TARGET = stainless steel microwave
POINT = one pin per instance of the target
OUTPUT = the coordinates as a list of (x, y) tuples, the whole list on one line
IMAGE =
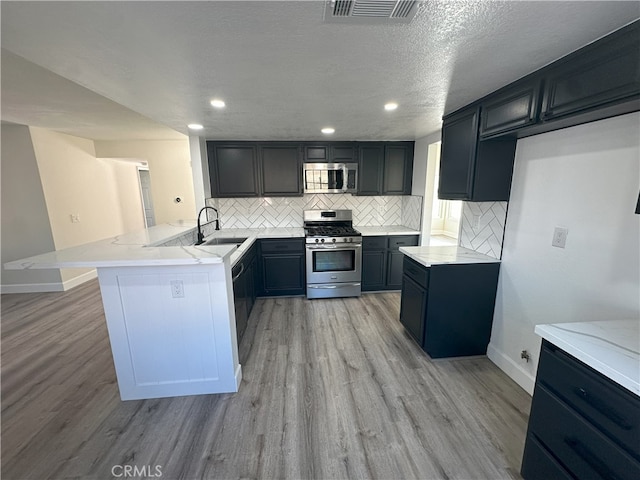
[(330, 177)]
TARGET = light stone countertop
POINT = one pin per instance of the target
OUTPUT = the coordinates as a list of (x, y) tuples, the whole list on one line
[(441, 255), (385, 230), (142, 248), (609, 347)]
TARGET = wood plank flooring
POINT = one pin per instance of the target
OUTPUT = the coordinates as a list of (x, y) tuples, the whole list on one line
[(331, 389)]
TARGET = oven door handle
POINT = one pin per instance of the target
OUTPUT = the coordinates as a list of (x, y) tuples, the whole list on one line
[(351, 246), (332, 287)]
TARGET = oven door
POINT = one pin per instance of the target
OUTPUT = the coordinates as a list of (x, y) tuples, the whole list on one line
[(334, 264)]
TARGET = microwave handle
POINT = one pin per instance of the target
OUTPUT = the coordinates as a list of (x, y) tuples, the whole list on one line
[(345, 178)]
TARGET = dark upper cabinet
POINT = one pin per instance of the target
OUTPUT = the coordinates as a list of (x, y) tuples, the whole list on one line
[(510, 109), (233, 169), (329, 152), (470, 169), (459, 141), (385, 168), (250, 169), (281, 172), (398, 169), (603, 73), (370, 169)]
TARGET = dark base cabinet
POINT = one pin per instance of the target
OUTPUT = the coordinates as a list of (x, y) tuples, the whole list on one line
[(282, 267), (448, 309), (382, 261), (582, 425), (244, 293)]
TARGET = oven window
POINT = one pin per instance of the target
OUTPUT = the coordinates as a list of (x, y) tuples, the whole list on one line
[(334, 261)]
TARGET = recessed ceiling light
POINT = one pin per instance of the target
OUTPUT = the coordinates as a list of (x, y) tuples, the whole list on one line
[(195, 126), (390, 106), (217, 103), (328, 130)]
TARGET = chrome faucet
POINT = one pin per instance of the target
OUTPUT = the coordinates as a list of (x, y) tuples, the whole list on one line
[(217, 220)]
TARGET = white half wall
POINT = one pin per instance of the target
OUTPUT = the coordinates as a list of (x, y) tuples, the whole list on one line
[(26, 230), (586, 179)]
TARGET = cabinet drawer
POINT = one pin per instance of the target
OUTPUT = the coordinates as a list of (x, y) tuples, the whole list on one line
[(601, 401), (398, 241), (577, 445), (282, 246), (539, 464), (374, 243), (416, 272)]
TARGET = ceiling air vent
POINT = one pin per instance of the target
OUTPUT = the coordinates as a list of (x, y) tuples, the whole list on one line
[(370, 11)]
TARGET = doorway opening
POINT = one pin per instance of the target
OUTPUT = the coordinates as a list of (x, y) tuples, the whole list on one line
[(145, 192)]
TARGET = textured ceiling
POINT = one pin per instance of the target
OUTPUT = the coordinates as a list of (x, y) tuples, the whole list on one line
[(282, 71)]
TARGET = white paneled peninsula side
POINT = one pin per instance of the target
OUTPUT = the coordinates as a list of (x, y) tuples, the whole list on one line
[(169, 310)]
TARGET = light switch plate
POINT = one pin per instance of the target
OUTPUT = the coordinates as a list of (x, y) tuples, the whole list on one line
[(559, 237)]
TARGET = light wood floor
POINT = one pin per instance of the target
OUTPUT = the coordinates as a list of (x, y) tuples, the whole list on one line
[(331, 389)]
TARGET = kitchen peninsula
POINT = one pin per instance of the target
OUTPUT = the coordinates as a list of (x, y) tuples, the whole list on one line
[(168, 306)]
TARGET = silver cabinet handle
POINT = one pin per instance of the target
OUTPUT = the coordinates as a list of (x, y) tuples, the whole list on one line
[(341, 246)]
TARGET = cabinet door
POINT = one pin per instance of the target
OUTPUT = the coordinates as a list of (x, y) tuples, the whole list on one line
[(283, 274), (240, 300), (394, 269), (281, 170), (398, 163), (343, 153), (370, 169), (233, 169), (316, 153), (373, 270), (413, 303), (601, 74), (510, 109), (459, 140)]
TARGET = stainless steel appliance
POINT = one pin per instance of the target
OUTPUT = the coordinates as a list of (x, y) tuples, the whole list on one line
[(330, 177), (333, 254)]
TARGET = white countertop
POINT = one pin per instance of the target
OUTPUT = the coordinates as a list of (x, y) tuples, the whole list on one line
[(439, 255), (609, 347), (385, 230), (141, 249)]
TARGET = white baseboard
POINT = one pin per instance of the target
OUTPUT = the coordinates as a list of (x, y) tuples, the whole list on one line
[(32, 288), (512, 369), (49, 287), (80, 279)]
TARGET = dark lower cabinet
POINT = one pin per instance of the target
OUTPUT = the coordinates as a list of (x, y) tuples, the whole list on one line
[(382, 261), (457, 312), (244, 293), (581, 425), (414, 307), (282, 267)]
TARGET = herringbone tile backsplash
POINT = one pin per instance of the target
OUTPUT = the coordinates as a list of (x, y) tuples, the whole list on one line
[(483, 227), (269, 212)]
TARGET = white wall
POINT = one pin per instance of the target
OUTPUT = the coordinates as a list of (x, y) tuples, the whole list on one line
[(586, 179), (170, 170), (25, 222), (425, 159)]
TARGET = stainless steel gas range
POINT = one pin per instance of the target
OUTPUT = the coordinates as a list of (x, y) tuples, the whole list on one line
[(333, 254)]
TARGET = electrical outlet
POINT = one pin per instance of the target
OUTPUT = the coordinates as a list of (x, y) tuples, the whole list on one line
[(75, 218), (177, 289), (559, 237)]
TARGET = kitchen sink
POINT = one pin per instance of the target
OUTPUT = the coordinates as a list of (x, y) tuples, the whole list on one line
[(225, 241)]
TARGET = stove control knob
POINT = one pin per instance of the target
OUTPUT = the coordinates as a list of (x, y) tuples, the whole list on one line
[(322, 240), (344, 239), (351, 239), (333, 240), (316, 240)]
